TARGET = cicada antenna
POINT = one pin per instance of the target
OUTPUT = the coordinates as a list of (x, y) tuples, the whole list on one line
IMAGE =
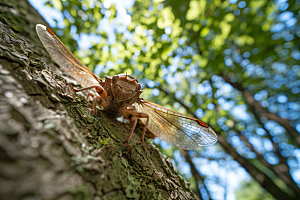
[(144, 76)]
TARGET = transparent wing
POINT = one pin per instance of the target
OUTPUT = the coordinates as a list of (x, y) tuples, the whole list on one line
[(65, 59), (175, 128)]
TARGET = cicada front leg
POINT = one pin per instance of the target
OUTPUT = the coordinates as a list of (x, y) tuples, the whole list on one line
[(101, 99), (131, 114), (96, 100)]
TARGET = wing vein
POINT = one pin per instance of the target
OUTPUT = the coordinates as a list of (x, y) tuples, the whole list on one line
[(175, 128)]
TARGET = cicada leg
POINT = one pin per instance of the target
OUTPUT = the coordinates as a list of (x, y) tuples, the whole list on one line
[(96, 99), (131, 114)]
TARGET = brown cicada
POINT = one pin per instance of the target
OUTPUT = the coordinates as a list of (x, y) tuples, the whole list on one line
[(120, 96)]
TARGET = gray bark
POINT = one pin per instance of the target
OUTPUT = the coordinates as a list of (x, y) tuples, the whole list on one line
[(50, 145)]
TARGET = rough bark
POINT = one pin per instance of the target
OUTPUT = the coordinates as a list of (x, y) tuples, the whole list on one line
[(50, 146)]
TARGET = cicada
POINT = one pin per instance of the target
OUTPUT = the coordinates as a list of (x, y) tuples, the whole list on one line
[(120, 96)]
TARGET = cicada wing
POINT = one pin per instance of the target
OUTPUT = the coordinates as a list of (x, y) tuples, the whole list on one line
[(65, 59), (175, 128)]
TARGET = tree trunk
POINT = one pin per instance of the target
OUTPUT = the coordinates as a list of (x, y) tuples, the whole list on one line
[(50, 146)]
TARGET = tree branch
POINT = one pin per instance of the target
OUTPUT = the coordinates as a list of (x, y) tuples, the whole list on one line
[(281, 170), (198, 178), (256, 174), (263, 112)]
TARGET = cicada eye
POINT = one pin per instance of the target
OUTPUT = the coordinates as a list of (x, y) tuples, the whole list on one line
[(129, 77), (138, 88), (115, 79)]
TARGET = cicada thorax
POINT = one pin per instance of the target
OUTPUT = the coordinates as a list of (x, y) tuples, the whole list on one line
[(123, 88)]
